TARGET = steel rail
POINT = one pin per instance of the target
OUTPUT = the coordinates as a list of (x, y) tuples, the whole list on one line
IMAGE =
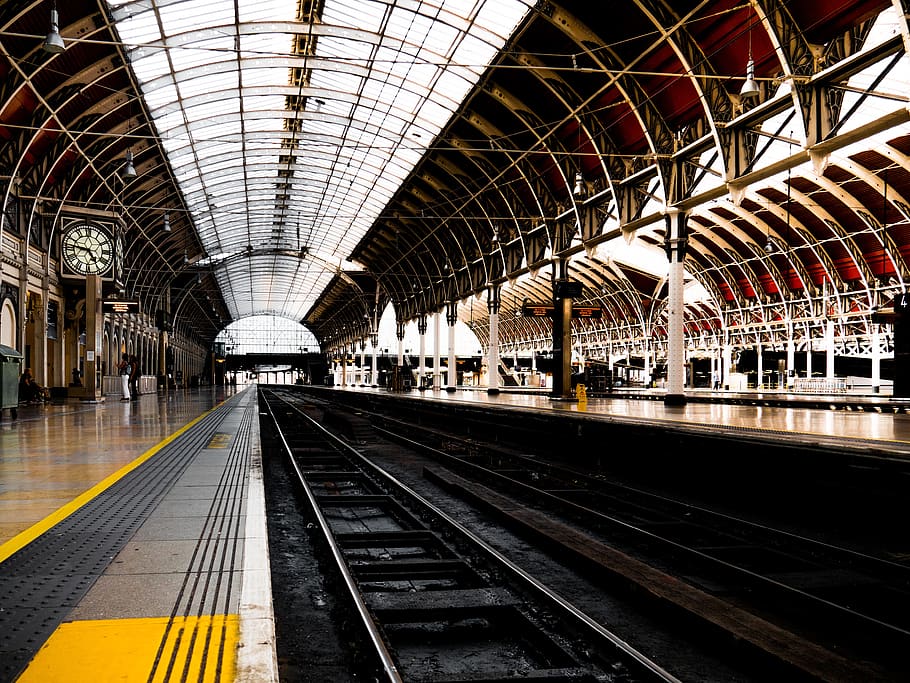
[(527, 581), (382, 652), (760, 579)]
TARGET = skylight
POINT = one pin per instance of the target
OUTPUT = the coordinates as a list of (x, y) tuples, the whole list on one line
[(289, 133)]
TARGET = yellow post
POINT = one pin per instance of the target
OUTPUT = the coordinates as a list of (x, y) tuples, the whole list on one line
[(581, 393)]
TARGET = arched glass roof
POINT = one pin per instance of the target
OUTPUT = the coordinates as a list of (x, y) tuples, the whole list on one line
[(290, 124), (267, 334)]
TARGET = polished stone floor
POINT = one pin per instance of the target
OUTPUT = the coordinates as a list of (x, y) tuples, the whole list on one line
[(53, 453)]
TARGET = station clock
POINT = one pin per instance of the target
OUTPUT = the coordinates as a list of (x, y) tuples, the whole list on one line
[(87, 249)]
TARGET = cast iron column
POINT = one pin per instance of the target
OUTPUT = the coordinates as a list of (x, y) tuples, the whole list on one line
[(563, 293), (493, 305), (676, 251), (374, 374), (422, 363), (451, 319), (437, 382), (399, 332)]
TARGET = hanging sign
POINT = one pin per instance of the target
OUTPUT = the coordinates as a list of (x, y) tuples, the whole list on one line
[(120, 305)]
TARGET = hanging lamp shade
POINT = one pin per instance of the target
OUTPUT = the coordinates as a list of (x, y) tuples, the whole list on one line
[(167, 222), (579, 190), (54, 42), (750, 87), (129, 171)]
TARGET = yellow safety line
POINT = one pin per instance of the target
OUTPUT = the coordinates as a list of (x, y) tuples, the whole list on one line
[(22, 539)]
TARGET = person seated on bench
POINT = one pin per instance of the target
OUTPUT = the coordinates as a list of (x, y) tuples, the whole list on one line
[(29, 390)]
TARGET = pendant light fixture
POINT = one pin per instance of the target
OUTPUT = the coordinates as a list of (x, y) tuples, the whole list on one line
[(53, 43), (750, 87), (167, 222), (579, 190), (129, 171)]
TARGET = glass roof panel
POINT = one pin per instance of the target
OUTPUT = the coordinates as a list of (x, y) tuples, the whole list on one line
[(252, 103)]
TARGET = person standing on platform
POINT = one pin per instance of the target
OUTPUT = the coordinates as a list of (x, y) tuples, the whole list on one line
[(124, 369), (134, 377)]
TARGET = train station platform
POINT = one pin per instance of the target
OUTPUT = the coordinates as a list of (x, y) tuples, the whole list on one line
[(858, 420), (132, 534), (133, 542)]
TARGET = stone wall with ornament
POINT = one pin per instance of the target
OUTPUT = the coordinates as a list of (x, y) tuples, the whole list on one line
[(43, 316)]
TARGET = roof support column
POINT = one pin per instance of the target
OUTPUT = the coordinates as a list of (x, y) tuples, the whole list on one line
[(399, 332), (436, 347), (344, 364), (451, 319), (564, 292), (675, 245), (422, 362), (876, 358), (760, 366), (493, 304), (791, 358), (374, 370)]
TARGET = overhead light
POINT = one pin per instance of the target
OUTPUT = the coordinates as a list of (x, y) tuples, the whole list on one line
[(769, 246), (186, 258), (167, 222), (579, 190), (54, 42), (750, 87), (129, 171)]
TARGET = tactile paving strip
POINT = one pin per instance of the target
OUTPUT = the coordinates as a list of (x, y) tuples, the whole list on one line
[(208, 585), (44, 580)]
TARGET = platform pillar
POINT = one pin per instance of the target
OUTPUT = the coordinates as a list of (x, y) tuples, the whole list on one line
[(399, 333), (437, 344), (876, 359), (760, 367), (563, 292), (791, 358), (493, 304), (422, 363), (451, 319), (94, 325), (675, 245), (374, 374)]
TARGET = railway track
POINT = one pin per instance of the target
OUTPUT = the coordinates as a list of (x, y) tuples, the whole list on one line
[(431, 600), (830, 612)]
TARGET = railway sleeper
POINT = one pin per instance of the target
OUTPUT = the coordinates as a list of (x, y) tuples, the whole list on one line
[(480, 643), (438, 605), (417, 570)]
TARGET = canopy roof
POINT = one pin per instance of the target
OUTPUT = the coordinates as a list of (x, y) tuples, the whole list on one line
[(317, 160)]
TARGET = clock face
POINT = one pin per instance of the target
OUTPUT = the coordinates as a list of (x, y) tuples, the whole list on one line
[(88, 249)]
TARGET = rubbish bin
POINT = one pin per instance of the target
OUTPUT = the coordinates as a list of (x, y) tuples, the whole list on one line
[(10, 360)]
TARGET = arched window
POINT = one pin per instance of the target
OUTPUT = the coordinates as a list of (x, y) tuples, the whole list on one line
[(8, 326)]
